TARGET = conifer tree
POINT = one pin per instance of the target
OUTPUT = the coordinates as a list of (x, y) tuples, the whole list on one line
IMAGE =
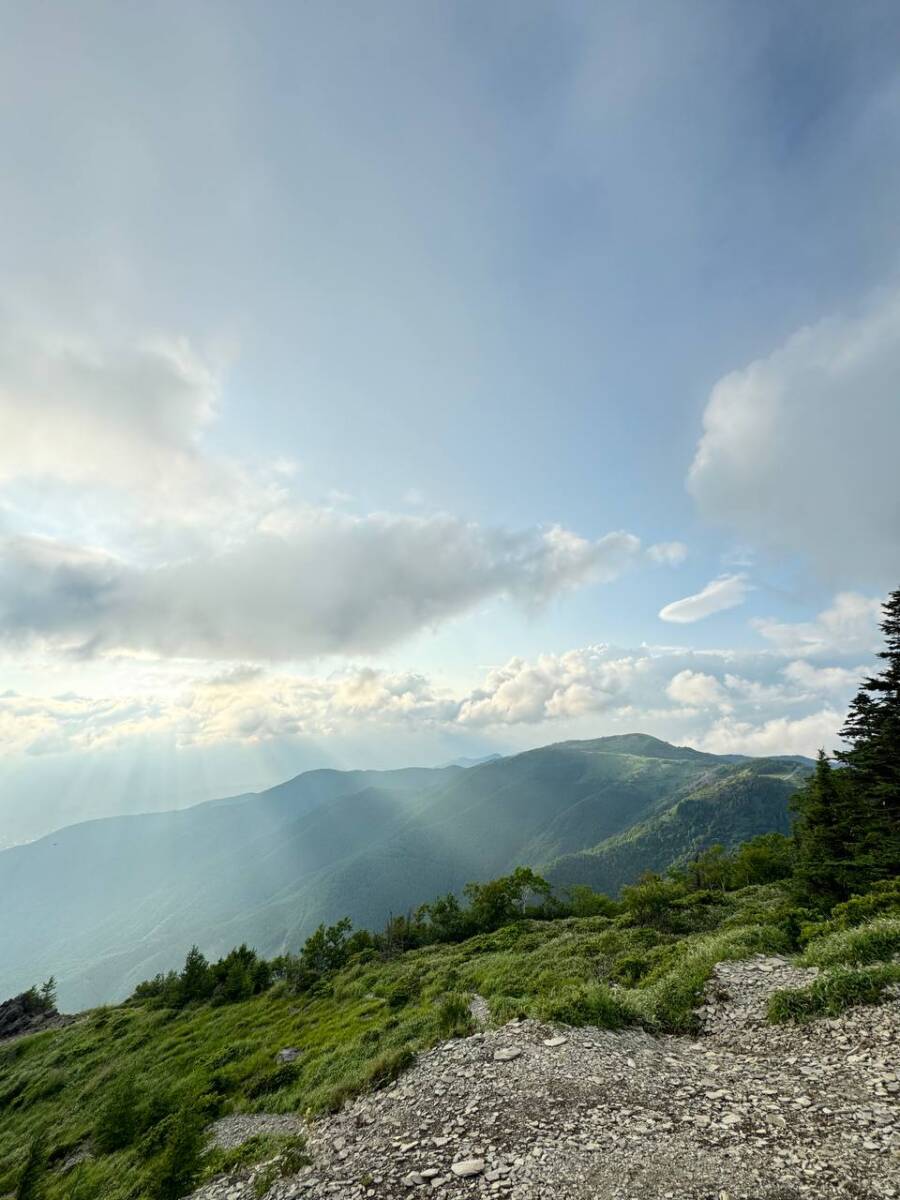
[(872, 733), (195, 979), (820, 835)]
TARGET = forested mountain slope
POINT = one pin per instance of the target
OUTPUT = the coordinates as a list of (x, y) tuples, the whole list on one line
[(107, 903)]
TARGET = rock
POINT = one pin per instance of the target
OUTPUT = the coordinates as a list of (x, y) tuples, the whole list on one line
[(555, 1041), (507, 1054), (468, 1166), (287, 1055), (27, 1014)]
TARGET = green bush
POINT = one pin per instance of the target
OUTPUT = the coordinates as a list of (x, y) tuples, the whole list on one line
[(883, 899)]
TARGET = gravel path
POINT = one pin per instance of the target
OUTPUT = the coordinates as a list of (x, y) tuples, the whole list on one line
[(744, 1112)]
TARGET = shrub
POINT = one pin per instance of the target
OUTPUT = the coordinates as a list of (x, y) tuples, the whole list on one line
[(650, 901), (884, 898)]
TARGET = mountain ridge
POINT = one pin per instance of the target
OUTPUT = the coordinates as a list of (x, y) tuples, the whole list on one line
[(107, 902)]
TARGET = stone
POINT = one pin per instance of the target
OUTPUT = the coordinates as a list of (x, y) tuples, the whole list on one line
[(468, 1166), (507, 1054), (287, 1055)]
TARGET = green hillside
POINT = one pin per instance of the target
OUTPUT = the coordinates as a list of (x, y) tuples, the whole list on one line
[(127, 1084), (105, 904), (733, 805)]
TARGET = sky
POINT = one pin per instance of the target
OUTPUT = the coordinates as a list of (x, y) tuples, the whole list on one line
[(384, 384)]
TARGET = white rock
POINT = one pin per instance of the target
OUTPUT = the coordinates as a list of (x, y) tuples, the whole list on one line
[(468, 1166)]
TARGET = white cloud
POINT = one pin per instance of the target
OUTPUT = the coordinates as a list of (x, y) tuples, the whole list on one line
[(723, 701), (779, 735), (552, 687), (80, 412), (697, 690), (849, 626), (188, 554), (315, 582), (670, 554), (798, 451), (804, 675), (727, 591)]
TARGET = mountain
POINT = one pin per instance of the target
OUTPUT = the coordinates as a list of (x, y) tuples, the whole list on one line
[(106, 903)]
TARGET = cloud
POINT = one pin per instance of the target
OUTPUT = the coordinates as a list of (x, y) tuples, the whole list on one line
[(554, 686), (849, 626), (798, 452), (670, 554), (721, 700), (727, 591), (697, 690), (81, 412), (313, 582), (780, 735), (813, 679)]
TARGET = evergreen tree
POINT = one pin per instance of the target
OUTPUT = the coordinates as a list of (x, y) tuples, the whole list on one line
[(820, 832), (872, 733), (195, 981), (48, 994)]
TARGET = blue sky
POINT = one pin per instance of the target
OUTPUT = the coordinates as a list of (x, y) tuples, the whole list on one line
[(353, 359)]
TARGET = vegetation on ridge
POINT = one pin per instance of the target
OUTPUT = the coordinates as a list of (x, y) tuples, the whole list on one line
[(134, 1085)]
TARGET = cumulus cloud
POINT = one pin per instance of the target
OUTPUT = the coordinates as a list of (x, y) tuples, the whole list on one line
[(729, 702), (670, 554), (798, 451), (553, 686), (319, 582), (850, 625), (728, 591), (779, 735), (695, 689)]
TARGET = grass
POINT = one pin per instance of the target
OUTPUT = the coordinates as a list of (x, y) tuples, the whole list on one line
[(115, 1079), (875, 941), (832, 993)]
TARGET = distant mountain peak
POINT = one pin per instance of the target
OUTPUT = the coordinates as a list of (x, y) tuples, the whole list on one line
[(645, 745)]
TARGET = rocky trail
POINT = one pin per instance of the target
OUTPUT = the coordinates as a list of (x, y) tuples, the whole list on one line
[(746, 1111)]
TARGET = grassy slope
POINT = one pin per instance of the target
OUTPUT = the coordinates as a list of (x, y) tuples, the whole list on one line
[(360, 1028)]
